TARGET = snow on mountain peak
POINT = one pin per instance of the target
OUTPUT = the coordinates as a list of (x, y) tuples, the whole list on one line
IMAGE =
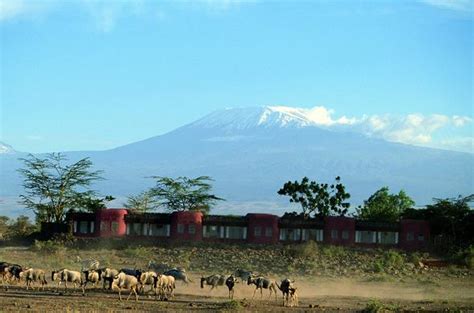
[(6, 149), (270, 116)]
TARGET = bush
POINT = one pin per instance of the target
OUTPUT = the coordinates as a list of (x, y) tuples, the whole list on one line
[(393, 259), (307, 250)]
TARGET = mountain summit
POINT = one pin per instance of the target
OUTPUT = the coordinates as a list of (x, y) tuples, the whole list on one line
[(269, 117)]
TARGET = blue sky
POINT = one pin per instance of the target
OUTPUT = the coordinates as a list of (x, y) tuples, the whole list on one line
[(93, 75)]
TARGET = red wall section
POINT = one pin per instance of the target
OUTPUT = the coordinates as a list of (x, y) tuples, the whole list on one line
[(339, 224), (414, 234), (105, 217), (188, 219), (262, 222)]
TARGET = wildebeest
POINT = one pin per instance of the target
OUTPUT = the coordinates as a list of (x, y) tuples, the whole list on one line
[(230, 283), (147, 278), (34, 275), (91, 276), (242, 274), (107, 275), (214, 281), (178, 274), (261, 283), (66, 276), (132, 272), (124, 281), (89, 264), (158, 268), (164, 286), (288, 289)]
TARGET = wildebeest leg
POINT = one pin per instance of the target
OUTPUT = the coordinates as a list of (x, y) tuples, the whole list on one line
[(254, 292), (261, 292)]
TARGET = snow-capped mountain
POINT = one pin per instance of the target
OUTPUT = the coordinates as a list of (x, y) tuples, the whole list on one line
[(267, 116), (6, 149), (251, 152)]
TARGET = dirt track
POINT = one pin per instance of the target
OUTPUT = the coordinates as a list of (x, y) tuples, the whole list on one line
[(329, 296)]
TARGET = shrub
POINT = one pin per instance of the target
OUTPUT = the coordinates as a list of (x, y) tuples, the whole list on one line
[(393, 259), (307, 250)]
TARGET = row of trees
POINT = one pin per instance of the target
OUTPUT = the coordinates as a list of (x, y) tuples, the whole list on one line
[(53, 188)]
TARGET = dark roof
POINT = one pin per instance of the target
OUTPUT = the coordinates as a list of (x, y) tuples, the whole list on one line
[(373, 225), (228, 220), (148, 217), (299, 222)]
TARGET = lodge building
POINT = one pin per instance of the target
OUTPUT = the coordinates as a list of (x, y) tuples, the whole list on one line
[(252, 228)]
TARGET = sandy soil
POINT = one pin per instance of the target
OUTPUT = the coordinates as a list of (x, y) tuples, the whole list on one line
[(322, 295)]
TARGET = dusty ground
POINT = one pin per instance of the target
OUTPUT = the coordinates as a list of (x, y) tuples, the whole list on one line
[(321, 295), (328, 279)]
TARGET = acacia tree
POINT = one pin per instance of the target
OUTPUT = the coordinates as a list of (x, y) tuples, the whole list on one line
[(385, 207), (52, 188), (183, 194), (143, 202), (317, 198)]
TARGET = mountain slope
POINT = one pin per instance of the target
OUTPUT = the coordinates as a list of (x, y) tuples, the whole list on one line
[(251, 152)]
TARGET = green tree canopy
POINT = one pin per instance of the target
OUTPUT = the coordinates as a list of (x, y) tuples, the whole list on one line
[(183, 194), (143, 202), (317, 198), (385, 207), (52, 187), (450, 218)]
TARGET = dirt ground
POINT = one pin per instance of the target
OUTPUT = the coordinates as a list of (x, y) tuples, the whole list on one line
[(336, 294)]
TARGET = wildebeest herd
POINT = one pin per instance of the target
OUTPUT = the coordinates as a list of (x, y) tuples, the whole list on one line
[(160, 279)]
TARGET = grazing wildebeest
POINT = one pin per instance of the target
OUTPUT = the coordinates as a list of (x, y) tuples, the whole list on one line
[(242, 274), (66, 276), (107, 275), (34, 275), (214, 281), (261, 283), (178, 274), (288, 289), (124, 281), (230, 283)]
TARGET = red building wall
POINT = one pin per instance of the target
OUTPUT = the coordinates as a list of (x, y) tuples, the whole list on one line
[(111, 223), (183, 223), (259, 226), (414, 235), (341, 226)]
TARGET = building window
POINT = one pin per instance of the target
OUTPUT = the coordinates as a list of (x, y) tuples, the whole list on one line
[(365, 236), (83, 227), (421, 237), (345, 235), (159, 230), (180, 228), (136, 229), (191, 229), (410, 236), (290, 234), (387, 238), (92, 227), (334, 234), (211, 231), (236, 232), (104, 226), (257, 231), (268, 232), (75, 227), (114, 227)]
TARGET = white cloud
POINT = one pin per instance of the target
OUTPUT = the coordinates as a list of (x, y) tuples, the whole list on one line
[(414, 128), (457, 5)]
